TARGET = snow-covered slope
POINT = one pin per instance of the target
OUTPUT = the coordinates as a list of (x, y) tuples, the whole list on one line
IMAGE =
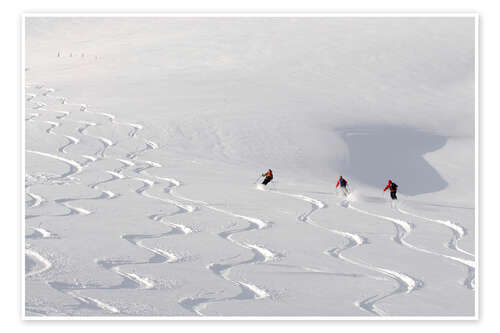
[(144, 139)]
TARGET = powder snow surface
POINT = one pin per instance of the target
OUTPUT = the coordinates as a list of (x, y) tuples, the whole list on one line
[(145, 138)]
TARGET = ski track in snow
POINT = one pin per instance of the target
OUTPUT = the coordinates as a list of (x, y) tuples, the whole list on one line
[(160, 256), (74, 165), (75, 168), (46, 264), (94, 302), (458, 233), (32, 116), (71, 141), (405, 283), (106, 143), (248, 291), (148, 184), (86, 124), (48, 91), (176, 227), (260, 255), (150, 145), (53, 125), (112, 118), (130, 280), (39, 232), (29, 97), (406, 229), (260, 224), (125, 165), (82, 211), (74, 290), (114, 176), (137, 240), (39, 105), (63, 115), (141, 282), (73, 210), (37, 200), (457, 230)]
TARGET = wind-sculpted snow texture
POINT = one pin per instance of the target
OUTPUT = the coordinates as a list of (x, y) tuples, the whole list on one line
[(140, 190)]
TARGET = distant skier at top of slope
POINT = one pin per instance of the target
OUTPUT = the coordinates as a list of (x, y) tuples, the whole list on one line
[(393, 187), (343, 185), (268, 177)]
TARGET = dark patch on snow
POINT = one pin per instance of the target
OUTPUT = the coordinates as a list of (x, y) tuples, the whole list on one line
[(377, 154)]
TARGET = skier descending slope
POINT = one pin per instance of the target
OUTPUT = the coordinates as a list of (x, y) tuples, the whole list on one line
[(393, 187), (343, 186), (268, 177)]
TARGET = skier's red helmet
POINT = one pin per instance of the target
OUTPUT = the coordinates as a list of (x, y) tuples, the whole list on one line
[(390, 181)]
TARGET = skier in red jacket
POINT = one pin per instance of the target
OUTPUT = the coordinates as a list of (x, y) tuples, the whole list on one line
[(343, 185), (393, 187)]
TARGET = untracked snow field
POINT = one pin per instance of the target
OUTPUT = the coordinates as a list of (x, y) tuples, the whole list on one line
[(144, 138)]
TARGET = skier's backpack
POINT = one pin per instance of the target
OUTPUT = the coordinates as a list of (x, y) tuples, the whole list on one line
[(394, 186), (343, 182)]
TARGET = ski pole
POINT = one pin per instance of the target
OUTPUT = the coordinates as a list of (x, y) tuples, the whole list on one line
[(257, 180)]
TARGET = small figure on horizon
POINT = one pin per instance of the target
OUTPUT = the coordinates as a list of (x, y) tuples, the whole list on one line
[(268, 177), (393, 187), (343, 185)]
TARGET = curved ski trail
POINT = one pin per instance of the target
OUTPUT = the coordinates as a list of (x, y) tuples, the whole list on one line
[(457, 230), (94, 302), (46, 264), (159, 255), (407, 228), (260, 252), (261, 255), (71, 141), (148, 184), (406, 284), (37, 199), (75, 167)]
